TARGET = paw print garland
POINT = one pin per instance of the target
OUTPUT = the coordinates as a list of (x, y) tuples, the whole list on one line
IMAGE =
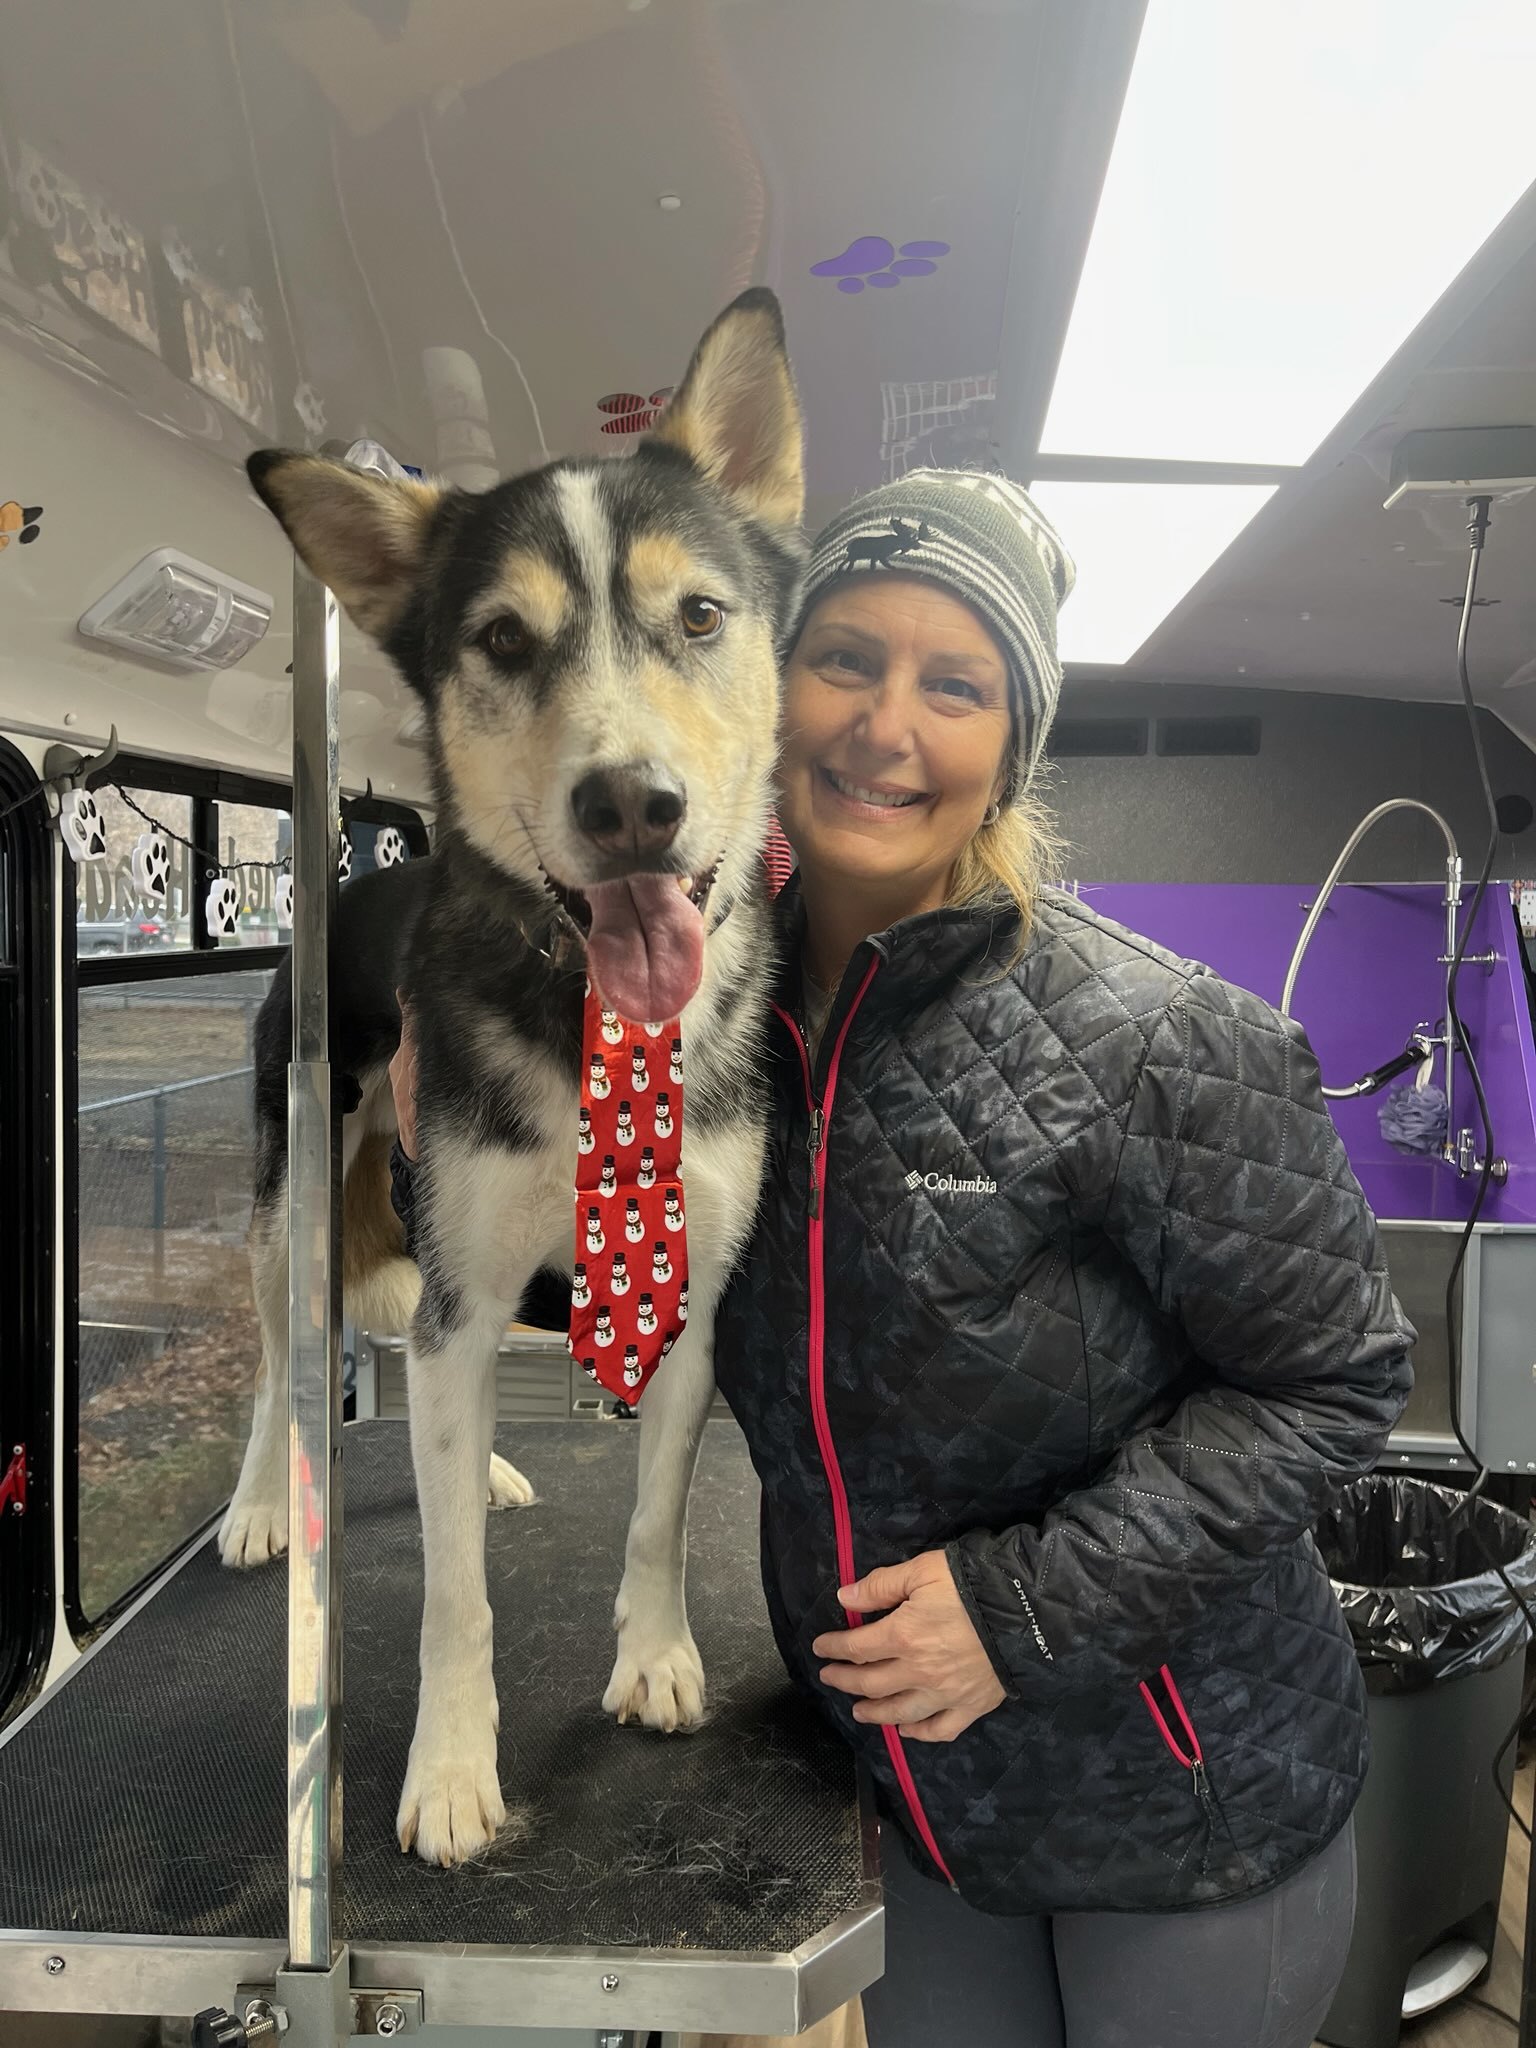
[(150, 866), (80, 826), (629, 1305)]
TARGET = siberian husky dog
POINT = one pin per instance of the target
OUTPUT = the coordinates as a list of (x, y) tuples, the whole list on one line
[(593, 646)]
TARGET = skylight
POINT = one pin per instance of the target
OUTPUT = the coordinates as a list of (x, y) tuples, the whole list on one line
[(1138, 548), (1291, 189)]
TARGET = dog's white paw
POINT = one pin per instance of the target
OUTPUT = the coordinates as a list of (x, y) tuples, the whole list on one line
[(509, 1489), (451, 1806), (659, 1683), (254, 1529)]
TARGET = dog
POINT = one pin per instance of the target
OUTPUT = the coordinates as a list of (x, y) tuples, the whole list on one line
[(593, 645)]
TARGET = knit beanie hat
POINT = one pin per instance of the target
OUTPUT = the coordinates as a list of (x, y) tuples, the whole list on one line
[(986, 541)]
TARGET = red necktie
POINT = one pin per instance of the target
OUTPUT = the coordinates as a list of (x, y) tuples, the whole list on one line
[(629, 1292)]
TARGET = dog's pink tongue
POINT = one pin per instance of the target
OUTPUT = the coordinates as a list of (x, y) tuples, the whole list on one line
[(646, 946)]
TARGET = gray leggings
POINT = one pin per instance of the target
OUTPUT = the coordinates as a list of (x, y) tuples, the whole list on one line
[(1260, 1973)]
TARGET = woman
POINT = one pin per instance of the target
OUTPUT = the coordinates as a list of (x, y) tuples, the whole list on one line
[(1062, 1316)]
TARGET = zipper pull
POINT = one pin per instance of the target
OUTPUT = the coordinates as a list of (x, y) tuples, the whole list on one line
[(813, 1147), (1202, 1787)]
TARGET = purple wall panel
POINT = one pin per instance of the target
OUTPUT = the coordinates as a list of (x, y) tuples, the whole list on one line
[(1371, 974)]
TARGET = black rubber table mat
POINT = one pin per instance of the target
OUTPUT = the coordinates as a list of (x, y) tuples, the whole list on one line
[(148, 1796)]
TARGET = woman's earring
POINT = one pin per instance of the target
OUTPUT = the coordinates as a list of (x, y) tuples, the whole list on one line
[(992, 814)]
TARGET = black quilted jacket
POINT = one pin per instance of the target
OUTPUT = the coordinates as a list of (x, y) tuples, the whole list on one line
[(1068, 1275)]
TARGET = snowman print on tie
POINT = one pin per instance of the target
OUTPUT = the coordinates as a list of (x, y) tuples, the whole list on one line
[(628, 1160)]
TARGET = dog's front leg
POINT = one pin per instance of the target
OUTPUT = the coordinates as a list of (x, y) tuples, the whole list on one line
[(451, 1805), (658, 1677), (477, 1217)]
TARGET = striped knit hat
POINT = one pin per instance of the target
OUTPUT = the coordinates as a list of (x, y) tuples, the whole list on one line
[(985, 540)]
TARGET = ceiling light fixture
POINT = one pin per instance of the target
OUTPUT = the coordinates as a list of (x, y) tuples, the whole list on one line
[(180, 611), (1138, 548), (1287, 197)]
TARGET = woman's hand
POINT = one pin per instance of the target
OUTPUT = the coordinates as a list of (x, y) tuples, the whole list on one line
[(402, 1079), (923, 1667)]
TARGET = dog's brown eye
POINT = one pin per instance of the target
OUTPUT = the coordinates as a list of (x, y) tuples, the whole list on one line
[(702, 617), (507, 638)]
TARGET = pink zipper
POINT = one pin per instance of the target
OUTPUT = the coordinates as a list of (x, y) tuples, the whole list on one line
[(1194, 1762), (841, 1520)]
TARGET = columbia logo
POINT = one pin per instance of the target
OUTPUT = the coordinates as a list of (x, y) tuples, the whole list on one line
[(947, 1184)]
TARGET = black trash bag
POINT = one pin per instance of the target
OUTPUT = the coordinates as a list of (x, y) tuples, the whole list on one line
[(1410, 1563)]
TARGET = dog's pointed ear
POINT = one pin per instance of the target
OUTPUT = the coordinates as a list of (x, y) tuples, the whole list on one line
[(363, 535), (736, 413)]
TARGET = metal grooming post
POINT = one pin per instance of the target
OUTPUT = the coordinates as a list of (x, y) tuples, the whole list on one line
[(314, 1987)]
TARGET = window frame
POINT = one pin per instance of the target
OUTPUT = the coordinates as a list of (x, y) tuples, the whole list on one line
[(28, 1085), (207, 787)]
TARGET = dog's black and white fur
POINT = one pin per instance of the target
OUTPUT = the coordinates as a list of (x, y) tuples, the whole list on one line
[(541, 624)]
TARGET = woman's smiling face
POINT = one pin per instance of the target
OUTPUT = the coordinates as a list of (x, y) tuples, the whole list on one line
[(895, 736)]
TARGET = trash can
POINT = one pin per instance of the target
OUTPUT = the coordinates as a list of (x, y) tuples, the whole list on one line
[(1439, 1641)]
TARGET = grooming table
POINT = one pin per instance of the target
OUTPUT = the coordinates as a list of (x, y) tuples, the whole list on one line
[(718, 1882)]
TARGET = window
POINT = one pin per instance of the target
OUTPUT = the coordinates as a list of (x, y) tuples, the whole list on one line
[(168, 1339), (113, 916), (165, 1339), (254, 833)]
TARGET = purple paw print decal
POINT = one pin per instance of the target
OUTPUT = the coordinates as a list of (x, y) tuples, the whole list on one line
[(872, 260)]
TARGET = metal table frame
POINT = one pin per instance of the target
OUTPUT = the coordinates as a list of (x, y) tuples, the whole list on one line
[(610, 1992), (317, 1978), (630, 1990)]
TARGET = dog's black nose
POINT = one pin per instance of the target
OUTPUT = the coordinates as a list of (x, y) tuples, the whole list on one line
[(635, 807)]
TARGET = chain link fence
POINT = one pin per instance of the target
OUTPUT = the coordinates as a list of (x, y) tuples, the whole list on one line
[(168, 1338)]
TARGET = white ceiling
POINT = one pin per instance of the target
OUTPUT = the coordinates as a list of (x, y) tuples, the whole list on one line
[(389, 177)]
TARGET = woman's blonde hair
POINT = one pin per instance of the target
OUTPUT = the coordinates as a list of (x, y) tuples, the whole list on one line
[(1013, 858)]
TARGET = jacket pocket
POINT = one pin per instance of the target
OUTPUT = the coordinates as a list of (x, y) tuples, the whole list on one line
[(1187, 1750)]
